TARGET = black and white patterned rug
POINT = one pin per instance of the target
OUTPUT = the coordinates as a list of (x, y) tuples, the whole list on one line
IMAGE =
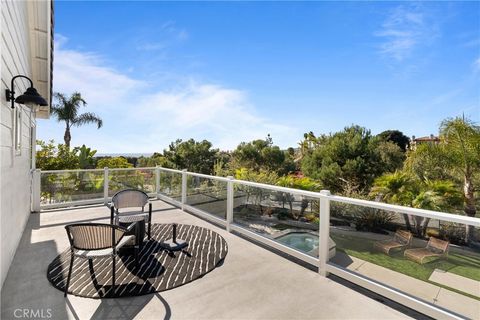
[(157, 270)]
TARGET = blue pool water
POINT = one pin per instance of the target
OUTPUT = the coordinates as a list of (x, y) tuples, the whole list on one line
[(302, 241)]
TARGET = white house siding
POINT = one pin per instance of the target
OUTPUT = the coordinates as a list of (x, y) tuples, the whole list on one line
[(18, 32)]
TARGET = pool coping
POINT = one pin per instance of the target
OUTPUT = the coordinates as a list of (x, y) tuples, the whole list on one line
[(314, 252)]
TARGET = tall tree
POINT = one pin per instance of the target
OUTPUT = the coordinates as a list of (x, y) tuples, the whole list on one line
[(195, 156), (55, 157), (459, 153), (350, 160), (396, 137), (260, 155), (67, 110), (113, 162), (309, 142)]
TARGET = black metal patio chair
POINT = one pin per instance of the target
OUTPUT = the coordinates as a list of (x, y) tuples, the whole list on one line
[(97, 240), (131, 199)]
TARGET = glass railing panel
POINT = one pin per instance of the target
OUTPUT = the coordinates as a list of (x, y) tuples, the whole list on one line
[(426, 258), (63, 187), (141, 179), (206, 194), (287, 218), (171, 184)]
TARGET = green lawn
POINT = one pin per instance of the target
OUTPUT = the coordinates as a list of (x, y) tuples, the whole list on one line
[(465, 265)]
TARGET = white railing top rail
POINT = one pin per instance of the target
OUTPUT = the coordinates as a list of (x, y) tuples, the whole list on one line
[(169, 170), (360, 202), (130, 169), (70, 171), (206, 176), (300, 192), (408, 210), (98, 170)]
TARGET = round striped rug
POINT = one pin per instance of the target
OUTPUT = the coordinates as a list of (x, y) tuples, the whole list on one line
[(157, 270)]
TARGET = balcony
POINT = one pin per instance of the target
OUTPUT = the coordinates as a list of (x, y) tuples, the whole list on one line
[(277, 266)]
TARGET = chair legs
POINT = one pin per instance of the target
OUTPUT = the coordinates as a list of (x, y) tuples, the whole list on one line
[(69, 275), (149, 230), (113, 274), (90, 266), (136, 249)]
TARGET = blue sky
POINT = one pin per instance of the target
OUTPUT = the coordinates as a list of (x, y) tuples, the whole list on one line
[(235, 71)]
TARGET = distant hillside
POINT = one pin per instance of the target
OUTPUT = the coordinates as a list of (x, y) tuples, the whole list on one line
[(126, 155)]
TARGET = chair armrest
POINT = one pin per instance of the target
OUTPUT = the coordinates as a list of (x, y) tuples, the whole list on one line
[(115, 227), (131, 226)]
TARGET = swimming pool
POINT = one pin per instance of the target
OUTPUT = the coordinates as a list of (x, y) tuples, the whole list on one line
[(304, 241)]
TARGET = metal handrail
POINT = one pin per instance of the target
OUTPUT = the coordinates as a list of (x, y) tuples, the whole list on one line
[(71, 170), (407, 210), (206, 176), (456, 218), (131, 169)]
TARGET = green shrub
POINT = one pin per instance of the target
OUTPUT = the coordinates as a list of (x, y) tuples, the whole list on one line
[(283, 215), (373, 220), (452, 232)]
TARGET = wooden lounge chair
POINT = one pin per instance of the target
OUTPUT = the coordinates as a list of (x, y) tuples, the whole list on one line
[(435, 248), (401, 239)]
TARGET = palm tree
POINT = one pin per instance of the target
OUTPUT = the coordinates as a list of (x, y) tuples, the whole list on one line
[(395, 188), (403, 189), (435, 195), (457, 154), (307, 145), (67, 110)]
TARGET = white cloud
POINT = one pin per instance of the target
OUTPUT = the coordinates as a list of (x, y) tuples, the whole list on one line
[(476, 65), (404, 30), (215, 111), (199, 104), (171, 28), (89, 74), (138, 118), (168, 34)]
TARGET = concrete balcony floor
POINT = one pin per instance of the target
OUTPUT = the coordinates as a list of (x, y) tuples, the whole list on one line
[(253, 283)]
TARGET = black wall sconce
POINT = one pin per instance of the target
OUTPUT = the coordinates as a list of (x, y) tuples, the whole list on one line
[(30, 98)]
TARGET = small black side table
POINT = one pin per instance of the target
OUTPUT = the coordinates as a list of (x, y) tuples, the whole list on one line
[(138, 230)]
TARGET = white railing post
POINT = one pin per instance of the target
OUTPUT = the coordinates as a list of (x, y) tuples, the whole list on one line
[(184, 188), (105, 185), (157, 181), (36, 190), (324, 233), (229, 216)]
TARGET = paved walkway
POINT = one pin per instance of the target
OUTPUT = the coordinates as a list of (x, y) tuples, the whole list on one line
[(452, 280), (253, 283), (442, 297)]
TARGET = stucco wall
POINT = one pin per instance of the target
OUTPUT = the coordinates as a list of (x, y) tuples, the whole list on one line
[(15, 165)]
